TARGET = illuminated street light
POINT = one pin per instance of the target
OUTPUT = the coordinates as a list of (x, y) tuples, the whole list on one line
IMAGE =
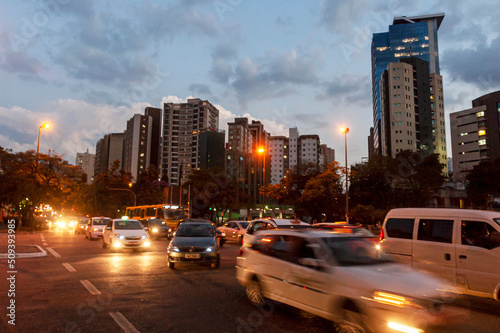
[(262, 152), (345, 131), (46, 125)]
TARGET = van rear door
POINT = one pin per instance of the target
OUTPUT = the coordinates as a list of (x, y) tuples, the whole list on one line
[(433, 247), (397, 242)]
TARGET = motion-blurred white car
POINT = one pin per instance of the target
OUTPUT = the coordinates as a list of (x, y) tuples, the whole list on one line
[(341, 277), (234, 230)]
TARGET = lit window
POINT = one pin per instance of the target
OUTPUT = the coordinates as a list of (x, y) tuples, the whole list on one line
[(482, 142), (480, 114), (380, 49), (481, 132), (464, 134)]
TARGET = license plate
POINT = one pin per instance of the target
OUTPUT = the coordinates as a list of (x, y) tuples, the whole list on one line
[(192, 255), (132, 242)]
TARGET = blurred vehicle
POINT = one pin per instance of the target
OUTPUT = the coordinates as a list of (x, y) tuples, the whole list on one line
[(194, 241), (125, 234), (234, 230), (269, 223), (348, 229), (95, 227), (341, 277), (81, 225), (221, 237), (460, 245), (157, 228), (65, 223)]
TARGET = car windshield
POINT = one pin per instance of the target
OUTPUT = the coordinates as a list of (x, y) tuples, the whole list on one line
[(195, 230), (83, 221), (100, 221), (497, 221), (128, 224), (156, 222), (244, 225), (354, 251)]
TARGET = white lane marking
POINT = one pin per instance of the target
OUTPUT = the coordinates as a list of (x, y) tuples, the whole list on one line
[(69, 267), (54, 253), (125, 325), (90, 287)]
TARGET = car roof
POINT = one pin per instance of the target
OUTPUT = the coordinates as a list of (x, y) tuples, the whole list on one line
[(442, 212), (280, 222), (197, 221), (309, 232)]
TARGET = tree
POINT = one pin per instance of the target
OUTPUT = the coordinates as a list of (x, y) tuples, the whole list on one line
[(278, 193), (323, 194), (148, 188), (483, 184)]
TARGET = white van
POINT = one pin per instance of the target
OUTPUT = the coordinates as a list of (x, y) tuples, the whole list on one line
[(460, 245)]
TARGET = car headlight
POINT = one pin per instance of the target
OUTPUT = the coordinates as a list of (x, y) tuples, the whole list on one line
[(147, 244), (121, 236), (144, 236), (173, 248), (155, 229), (211, 248), (395, 300), (117, 244), (95, 229), (223, 234)]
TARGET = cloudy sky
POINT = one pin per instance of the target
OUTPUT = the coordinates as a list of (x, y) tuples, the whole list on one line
[(87, 66)]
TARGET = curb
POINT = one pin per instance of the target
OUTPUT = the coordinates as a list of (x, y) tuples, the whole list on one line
[(42, 253)]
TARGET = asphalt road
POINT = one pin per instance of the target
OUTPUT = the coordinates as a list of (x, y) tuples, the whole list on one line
[(81, 287)]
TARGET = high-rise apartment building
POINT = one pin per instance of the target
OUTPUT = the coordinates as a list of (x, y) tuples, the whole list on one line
[(327, 156), (108, 150), (182, 125), (155, 147), (412, 110), (86, 162), (137, 145), (412, 36), (475, 134)]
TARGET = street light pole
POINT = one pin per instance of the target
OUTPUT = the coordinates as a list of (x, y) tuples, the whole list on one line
[(262, 151), (345, 131), (46, 125)]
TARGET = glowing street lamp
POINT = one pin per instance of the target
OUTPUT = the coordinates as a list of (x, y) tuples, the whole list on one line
[(262, 151), (345, 131), (46, 125)]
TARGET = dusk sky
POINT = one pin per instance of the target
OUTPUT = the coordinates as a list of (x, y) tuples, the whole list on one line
[(88, 66)]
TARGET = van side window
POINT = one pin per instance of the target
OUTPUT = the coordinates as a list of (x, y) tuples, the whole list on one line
[(435, 230), (480, 234), (400, 228)]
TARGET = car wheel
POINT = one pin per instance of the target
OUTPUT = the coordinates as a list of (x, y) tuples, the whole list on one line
[(104, 245), (254, 292), (353, 322), (216, 264), (170, 264)]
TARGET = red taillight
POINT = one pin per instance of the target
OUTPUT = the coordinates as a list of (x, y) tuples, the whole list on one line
[(241, 252), (381, 234)]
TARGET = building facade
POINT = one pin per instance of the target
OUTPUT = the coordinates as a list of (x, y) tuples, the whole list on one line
[(86, 162), (412, 106), (182, 125), (413, 36), (155, 145), (137, 145), (475, 135), (108, 150)]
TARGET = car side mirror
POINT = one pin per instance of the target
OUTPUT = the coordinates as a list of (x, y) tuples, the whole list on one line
[(250, 231)]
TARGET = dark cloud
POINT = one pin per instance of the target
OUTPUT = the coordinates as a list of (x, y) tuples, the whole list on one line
[(199, 89), (222, 63), (478, 65), (21, 63), (273, 77), (348, 89)]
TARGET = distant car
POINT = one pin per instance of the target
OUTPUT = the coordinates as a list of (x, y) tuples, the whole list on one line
[(234, 230), (125, 234), (95, 227), (269, 223), (157, 228), (342, 278), (221, 237), (81, 225), (194, 242), (65, 223)]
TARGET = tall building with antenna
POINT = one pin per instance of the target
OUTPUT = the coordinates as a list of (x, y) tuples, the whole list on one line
[(408, 36)]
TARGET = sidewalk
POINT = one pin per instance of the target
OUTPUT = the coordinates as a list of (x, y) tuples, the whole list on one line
[(21, 250)]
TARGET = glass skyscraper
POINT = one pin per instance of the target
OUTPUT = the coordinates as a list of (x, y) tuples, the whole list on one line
[(408, 36)]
